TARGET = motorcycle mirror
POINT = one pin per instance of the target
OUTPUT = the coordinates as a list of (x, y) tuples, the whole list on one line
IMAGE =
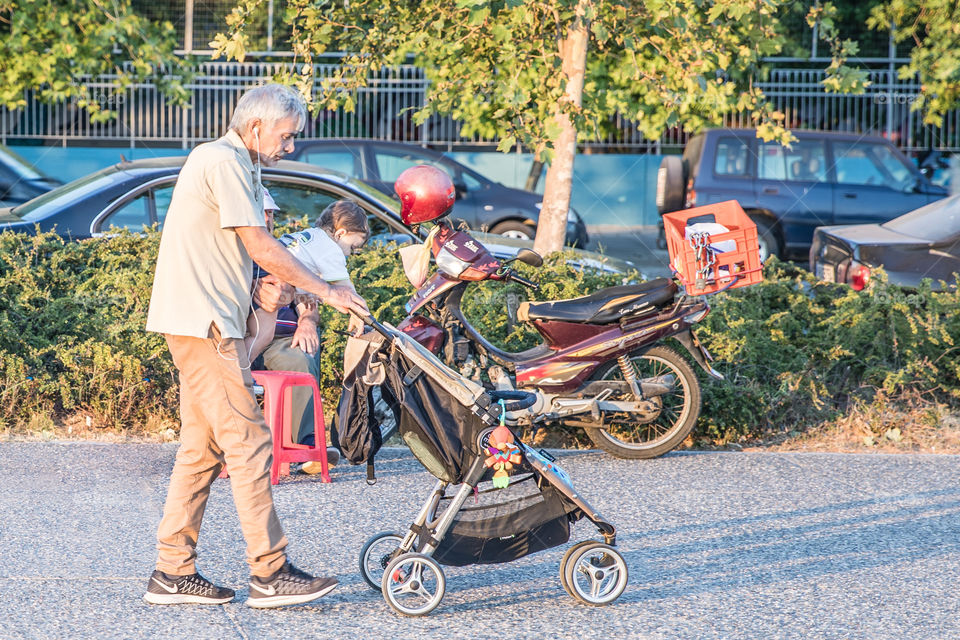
[(530, 257)]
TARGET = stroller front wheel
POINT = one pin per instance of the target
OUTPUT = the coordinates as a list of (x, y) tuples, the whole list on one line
[(596, 573), (563, 565), (413, 584), (376, 554)]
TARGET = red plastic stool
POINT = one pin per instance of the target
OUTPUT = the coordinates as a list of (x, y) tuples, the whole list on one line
[(277, 387)]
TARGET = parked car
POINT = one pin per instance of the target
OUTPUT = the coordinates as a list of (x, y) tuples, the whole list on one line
[(825, 178), (19, 181), (481, 203), (135, 194), (924, 243)]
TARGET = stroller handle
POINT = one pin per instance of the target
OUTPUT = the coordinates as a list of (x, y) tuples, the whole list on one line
[(370, 321)]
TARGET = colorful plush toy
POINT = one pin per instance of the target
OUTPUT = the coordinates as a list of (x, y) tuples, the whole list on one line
[(502, 454)]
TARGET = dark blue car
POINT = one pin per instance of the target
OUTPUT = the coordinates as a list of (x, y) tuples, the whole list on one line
[(482, 204), (19, 181), (824, 178)]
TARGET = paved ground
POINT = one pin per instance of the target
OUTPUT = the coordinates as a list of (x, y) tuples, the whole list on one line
[(719, 545)]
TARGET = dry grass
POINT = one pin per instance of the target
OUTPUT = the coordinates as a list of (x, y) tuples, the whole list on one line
[(82, 426), (908, 424)]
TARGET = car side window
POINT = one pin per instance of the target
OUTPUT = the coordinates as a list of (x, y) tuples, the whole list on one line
[(903, 177), (732, 157), (865, 163), (133, 215), (471, 183), (161, 200), (804, 161), (391, 165), (344, 161), (297, 200)]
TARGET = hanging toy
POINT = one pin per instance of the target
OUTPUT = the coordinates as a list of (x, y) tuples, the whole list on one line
[(502, 453)]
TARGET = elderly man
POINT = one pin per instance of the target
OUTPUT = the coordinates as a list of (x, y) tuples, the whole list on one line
[(201, 298)]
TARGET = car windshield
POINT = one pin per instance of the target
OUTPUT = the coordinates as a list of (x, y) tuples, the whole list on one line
[(936, 221), (19, 166), (52, 201)]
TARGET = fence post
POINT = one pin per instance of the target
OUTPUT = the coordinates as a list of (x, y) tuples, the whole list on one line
[(188, 27), (270, 25), (891, 78)]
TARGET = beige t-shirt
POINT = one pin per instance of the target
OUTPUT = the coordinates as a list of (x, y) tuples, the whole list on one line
[(203, 271)]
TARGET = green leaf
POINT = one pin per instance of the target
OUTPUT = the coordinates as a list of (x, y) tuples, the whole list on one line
[(506, 143)]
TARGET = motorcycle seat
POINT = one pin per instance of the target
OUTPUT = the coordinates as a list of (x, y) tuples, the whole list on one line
[(604, 306)]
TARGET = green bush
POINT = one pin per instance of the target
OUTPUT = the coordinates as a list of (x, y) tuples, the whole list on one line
[(795, 352), (71, 332)]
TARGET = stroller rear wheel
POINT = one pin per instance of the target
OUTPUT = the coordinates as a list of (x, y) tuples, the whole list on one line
[(376, 554), (596, 573), (413, 584)]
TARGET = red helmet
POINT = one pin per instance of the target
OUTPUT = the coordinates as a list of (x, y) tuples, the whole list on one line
[(426, 193)]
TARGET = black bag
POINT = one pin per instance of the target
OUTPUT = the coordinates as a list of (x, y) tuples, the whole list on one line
[(355, 430), (441, 432)]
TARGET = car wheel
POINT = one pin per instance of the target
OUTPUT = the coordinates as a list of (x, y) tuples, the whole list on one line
[(767, 239), (514, 229)]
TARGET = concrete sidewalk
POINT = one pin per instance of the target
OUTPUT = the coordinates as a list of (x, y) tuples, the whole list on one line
[(719, 545)]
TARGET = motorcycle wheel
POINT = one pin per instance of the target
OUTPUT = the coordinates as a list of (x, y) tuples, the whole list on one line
[(625, 435)]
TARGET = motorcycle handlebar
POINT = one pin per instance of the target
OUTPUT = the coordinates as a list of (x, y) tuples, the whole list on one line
[(512, 275)]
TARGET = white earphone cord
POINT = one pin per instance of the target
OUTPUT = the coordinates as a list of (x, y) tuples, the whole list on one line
[(259, 187)]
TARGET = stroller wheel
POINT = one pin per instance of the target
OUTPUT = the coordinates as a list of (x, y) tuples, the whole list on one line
[(563, 565), (413, 584), (376, 554), (596, 573)]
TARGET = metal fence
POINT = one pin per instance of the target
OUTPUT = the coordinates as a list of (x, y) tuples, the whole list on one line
[(384, 111)]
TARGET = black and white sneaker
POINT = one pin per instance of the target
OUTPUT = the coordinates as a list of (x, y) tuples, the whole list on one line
[(289, 585), (191, 589)]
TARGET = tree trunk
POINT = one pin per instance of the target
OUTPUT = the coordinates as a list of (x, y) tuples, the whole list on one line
[(533, 178), (551, 230)]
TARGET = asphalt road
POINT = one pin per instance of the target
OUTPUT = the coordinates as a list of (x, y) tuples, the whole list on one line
[(719, 545)]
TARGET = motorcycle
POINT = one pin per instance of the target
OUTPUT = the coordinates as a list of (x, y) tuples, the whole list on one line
[(602, 364)]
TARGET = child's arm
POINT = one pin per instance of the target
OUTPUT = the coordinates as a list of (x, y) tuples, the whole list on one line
[(260, 328)]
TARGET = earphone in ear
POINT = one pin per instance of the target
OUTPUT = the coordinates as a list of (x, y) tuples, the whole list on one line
[(256, 131)]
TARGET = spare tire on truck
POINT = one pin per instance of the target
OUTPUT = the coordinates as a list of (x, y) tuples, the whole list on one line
[(670, 185)]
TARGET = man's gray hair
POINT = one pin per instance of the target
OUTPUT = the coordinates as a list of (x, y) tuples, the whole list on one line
[(270, 103)]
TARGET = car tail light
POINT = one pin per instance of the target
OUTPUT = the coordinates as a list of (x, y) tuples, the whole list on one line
[(858, 276), (691, 200)]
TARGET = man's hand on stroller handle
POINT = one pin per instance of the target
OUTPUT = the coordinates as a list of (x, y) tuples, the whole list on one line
[(345, 300)]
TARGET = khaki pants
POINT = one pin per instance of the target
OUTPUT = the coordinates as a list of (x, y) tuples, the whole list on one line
[(220, 422), (280, 356)]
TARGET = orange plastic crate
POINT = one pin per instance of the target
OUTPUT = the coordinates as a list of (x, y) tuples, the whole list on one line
[(731, 269)]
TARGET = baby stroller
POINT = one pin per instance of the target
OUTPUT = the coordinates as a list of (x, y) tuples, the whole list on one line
[(521, 501)]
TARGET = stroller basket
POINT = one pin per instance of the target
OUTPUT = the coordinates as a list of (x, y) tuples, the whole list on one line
[(440, 431), (506, 524)]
